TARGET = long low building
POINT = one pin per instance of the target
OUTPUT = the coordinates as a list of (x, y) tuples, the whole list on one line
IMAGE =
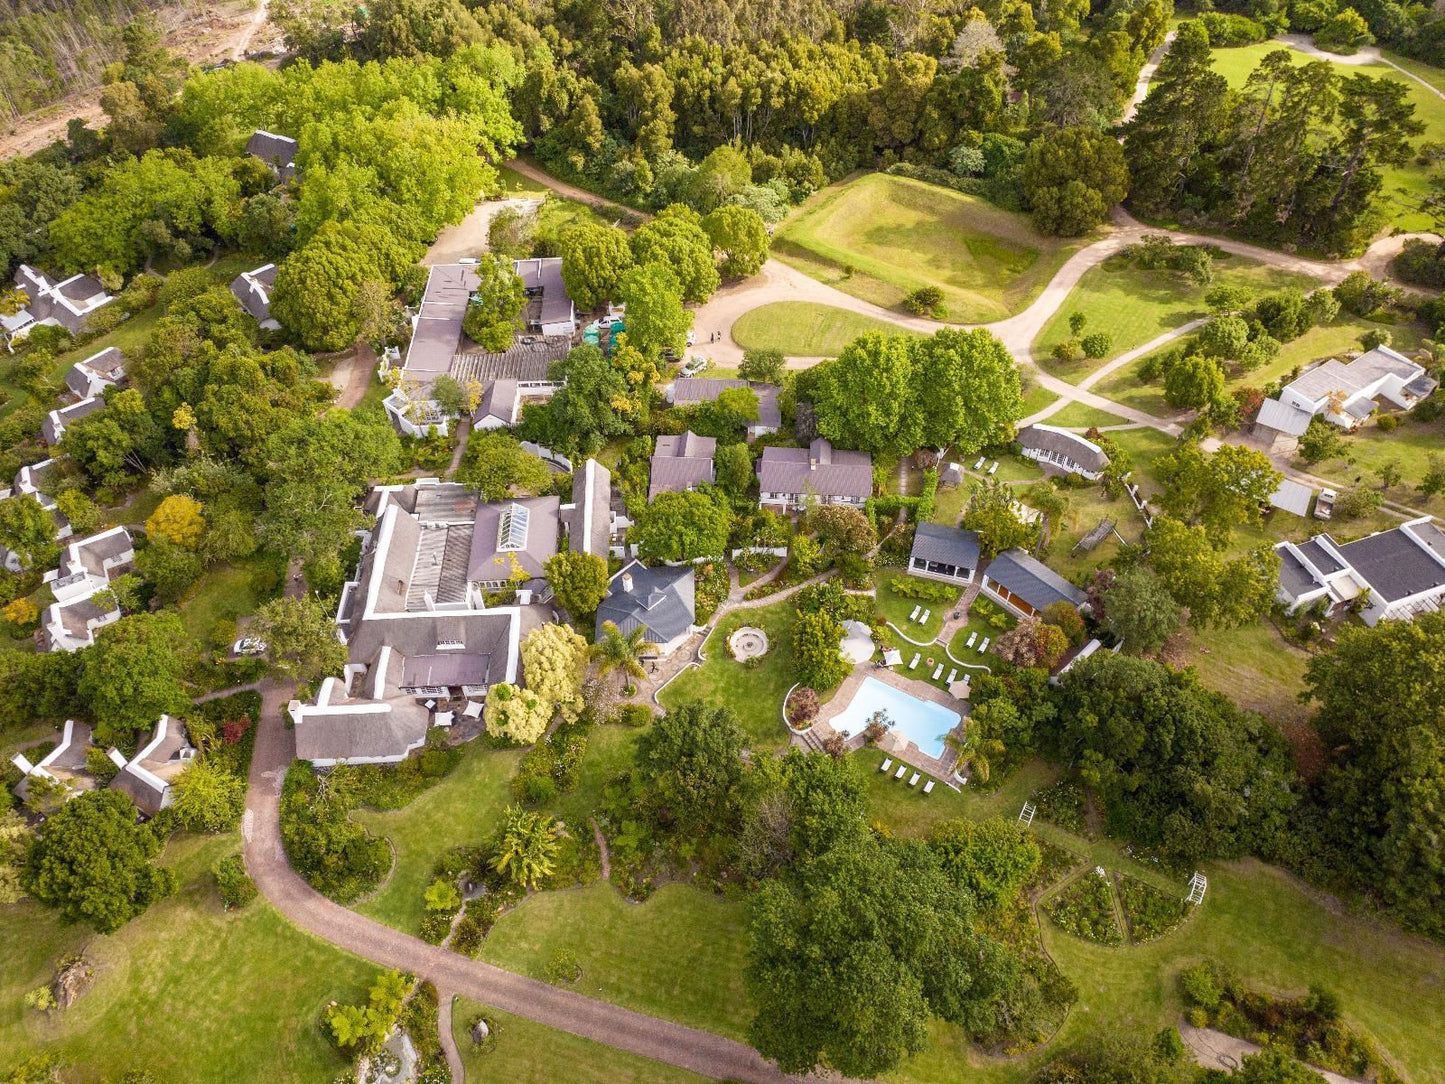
[(1055, 447), (1399, 572), (1026, 585), (789, 477), (691, 391), (949, 554)]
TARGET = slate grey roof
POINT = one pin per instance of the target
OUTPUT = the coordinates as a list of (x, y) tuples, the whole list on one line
[(1283, 417), (1422, 385), (1320, 557), (1292, 496), (661, 601), (56, 422), (445, 668), (488, 561), (357, 735), (1393, 565), (589, 528), (107, 365), (548, 302), (945, 545), (277, 151), (1051, 439), (1294, 576), (499, 401), (691, 390), (253, 290), (819, 469), (1032, 580), (680, 463)]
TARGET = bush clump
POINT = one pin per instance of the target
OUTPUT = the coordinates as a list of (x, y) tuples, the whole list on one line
[(1151, 913), (1086, 909)]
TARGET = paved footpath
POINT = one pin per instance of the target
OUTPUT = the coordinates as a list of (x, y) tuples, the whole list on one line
[(688, 1048)]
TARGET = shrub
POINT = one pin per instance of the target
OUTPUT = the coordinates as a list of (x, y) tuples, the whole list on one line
[(632, 715), (921, 590), (802, 706), (1202, 986), (925, 301), (563, 968), (1097, 345), (1152, 913), (235, 886), (1388, 423), (1067, 350)]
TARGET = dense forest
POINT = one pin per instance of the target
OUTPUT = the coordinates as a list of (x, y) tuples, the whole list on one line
[(50, 48)]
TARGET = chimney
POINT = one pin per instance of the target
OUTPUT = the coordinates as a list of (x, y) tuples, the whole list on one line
[(627, 583), (812, 462)]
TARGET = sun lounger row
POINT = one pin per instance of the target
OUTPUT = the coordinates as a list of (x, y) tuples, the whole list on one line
[(902, 771), (916, 656), (984, 646)]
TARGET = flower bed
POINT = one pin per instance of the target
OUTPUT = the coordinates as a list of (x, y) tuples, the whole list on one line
[(1151, 912), (1085, 909), (1062, 804)]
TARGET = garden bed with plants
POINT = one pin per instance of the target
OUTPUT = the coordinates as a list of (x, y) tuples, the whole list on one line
[(1085, 909), (1064, 804), (1308, 1027), (1149, 912)]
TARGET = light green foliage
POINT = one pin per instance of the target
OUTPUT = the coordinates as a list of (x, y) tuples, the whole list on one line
[(991, 859), (681, 527), (15, 837), (579, 580), (863, 398), (554, 659), (497, 466), (28, 531), (1217, 592), (442, 895), (517, 714), (208, 798), (816, 641), (1222, 490), (1193, 381), (526, 847), (594, 259), (990, 513), (133, 674), (740, 234), (595, 404), (675, 238), (656, 320), (491, 316), (300, 637)]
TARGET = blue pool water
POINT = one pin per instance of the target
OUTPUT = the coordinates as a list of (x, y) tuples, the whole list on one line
[(922, 722)]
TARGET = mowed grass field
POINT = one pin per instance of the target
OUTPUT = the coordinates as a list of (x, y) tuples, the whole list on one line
[(804, 329), (1134, 306), (1404, 186), (899, 234)]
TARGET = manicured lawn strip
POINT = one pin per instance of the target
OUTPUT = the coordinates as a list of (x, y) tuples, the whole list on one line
[(461, 810), (1036, 398), (896, 608), (1236, 64), (1082, 416), (1134, 306), (804, 328), (900, 234), (949, 501), (1254, 666), (756, 694), (679, 955), (524, 1052), (186, 990)]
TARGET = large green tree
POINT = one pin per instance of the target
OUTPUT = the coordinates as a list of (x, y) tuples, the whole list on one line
[(740, 234), (594, 259), (1072, 178), (579, 580), (674, 237), (300, 637), (656, 320), (497, 466), (132, 676), (682, 526), (864, 398), (492, 311), (965, 390), (690, 763), (95, 864), (593, 405)]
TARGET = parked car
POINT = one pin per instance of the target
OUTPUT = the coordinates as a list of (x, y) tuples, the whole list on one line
[(249, 645), (1325, 504), (693, 366)]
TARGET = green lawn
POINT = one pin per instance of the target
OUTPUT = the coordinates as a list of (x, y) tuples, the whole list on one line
[(1404, 186), (679, 955), (1082, 416), (1135, 306), (460, 810), (186, 990), (804, 328), (524, 1052), (899, 235), (897, 607), (1035, 399), (1411, 446), (225, 593), (1254, 666), (755, 694), (515, 184)]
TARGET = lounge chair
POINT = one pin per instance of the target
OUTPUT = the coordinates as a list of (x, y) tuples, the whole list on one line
[(902, 770), (981, 461), (926, 615), (928, 787), (952, 673), (916, 656), (972, 639), (887, 763), (914, 615), (993, 468), (914, 781), (938, 673), (984, 646)]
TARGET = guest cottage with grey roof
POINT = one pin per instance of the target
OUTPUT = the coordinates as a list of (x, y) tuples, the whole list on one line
[(1399, 572), (1055, 447), (660, 601), (788, 477), (950, 554), (1026, 585), (680, 463)]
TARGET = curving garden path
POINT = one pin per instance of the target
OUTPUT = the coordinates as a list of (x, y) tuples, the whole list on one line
[(687, 1048)]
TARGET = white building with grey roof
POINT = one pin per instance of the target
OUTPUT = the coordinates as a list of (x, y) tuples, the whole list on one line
[(948, 554), (1343, 393), (659, 601), (89, 378), (253, 290), (1026, 585), (1050, 446), (692, 391), (680, 462), (1400, 573), (146, 778), (66, 303), (789, 477), (277, 151), (87, 566)]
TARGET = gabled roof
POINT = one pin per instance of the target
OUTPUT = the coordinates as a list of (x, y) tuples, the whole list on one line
[(691, 390), (589, 527), (1402, 562), (107, 366), (277, 151), (1350, 378), (542, 279), (57, 421), (1283, 417), (253, 290), (945, 545), (1049, 438), (494, 546), (680, 463), (1032, 580), (819, 469), (502, 401), (1293, 497), (661, 601)]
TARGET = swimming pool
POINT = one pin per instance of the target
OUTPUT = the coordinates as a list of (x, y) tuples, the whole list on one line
[(922, 722)]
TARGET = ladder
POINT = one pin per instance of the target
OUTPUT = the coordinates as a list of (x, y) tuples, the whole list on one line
[(1026, 814), (1198, 885)]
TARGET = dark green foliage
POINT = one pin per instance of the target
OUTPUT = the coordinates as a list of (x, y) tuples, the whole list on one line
[(1150, 912), (235, 887), (1085, 908), (992, 859), (552, 766), (690, 764), (335, 855), (95, 864)]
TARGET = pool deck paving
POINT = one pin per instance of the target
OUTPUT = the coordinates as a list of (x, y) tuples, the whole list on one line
[(894, 743)]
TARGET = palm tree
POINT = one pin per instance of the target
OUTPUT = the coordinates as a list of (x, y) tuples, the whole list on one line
[(528, 846), (974, 752), (619, 651)]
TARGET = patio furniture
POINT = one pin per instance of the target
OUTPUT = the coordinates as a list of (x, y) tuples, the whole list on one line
[(916, 656), (981, 460), (473, 710), (914, 781), (914, 615), (429, 704), (993, 469), (928, 787), (972, 639), (984, 646), (887, 763), (938, 673), (902, 769), (952, 673), (443, 718), (926, 615)]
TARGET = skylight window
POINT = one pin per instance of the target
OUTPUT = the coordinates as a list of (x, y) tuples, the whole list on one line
[(512, 529)]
